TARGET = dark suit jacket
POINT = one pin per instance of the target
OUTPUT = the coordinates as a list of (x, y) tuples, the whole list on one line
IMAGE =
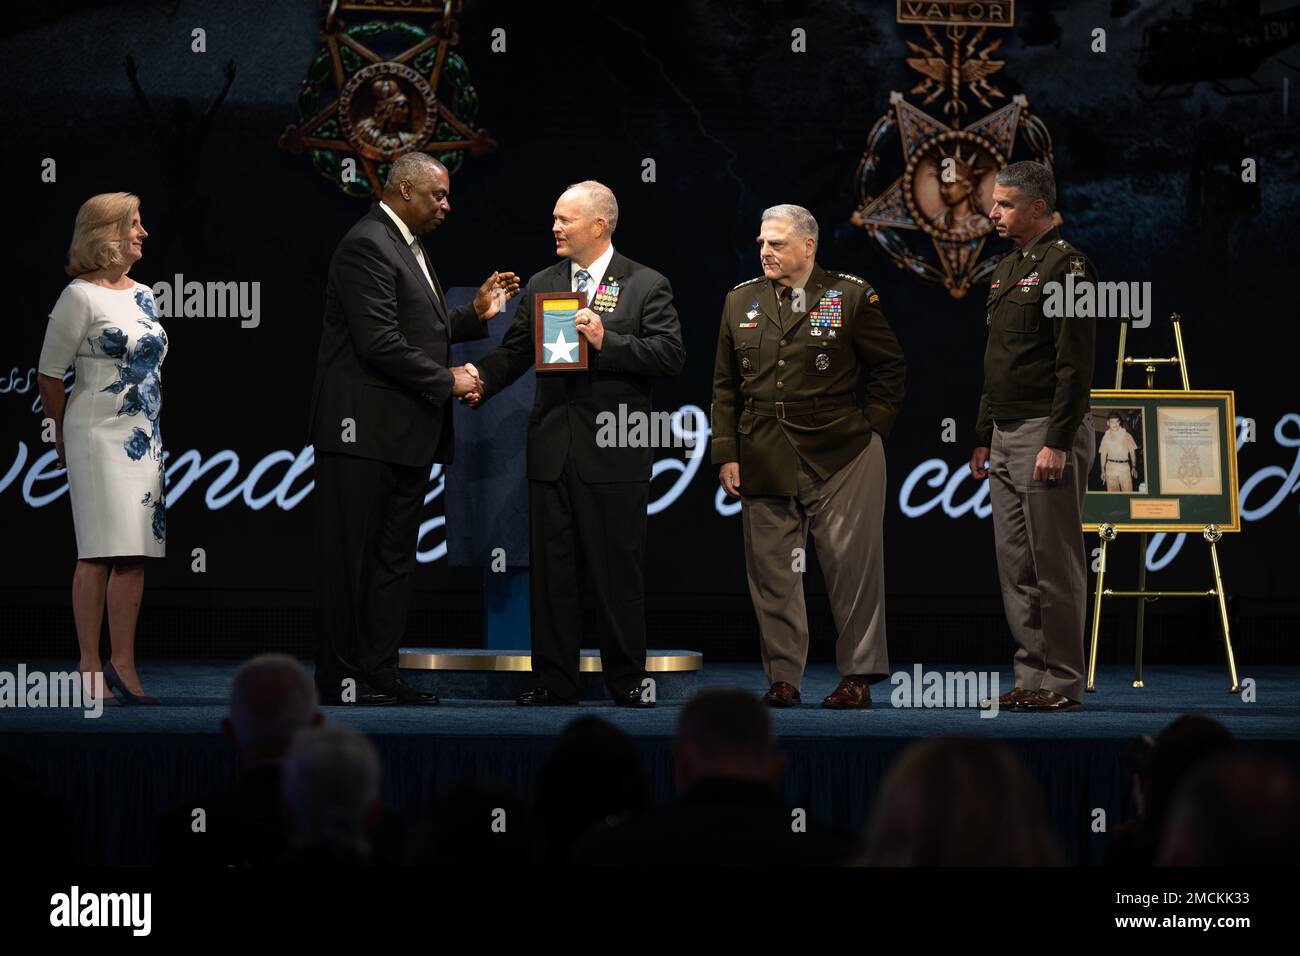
[(384, 351), (643, 340)]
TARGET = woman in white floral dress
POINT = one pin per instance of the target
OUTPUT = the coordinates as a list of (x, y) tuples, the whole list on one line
[(107, 430)]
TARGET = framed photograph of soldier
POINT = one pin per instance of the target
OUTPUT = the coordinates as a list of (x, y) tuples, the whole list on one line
[(558, 344), (1120, 465), (1166, 461)]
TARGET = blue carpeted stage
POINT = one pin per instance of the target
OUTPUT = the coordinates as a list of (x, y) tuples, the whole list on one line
[(120, 770)]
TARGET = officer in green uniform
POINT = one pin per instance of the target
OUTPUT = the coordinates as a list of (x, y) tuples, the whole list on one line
[(1034, 438), (804, 453)]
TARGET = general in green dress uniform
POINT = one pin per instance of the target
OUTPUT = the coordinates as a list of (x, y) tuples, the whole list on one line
[(1034, 440), (802, 448)]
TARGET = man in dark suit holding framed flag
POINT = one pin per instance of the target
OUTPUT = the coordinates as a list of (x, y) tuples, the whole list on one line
[(587, 501), (381, 416)]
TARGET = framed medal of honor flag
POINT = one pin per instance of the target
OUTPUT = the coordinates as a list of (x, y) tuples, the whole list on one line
[(1165, 461), (559, 346)]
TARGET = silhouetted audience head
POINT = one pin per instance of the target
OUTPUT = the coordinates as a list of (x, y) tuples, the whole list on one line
[(272, 698), (477, 823), (958, 801), (1184, 745), (593, 772), (1159, 767), (1234, 811), (725, 734), (331, 786)]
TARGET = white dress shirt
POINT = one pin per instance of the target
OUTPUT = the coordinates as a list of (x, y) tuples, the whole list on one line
[(596, 270), (411, 242)]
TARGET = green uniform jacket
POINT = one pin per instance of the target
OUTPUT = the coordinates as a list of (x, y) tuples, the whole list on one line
[(782, 394), (1037, 365)]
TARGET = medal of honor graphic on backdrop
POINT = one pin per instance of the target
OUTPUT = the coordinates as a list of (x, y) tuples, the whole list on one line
[(941, 186), (383, 88)]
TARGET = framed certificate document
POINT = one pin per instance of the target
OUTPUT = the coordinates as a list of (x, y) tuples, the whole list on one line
[(1189, 442), (1166, 461), (558, 344)]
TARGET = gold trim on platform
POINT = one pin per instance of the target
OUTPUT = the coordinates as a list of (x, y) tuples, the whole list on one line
[(589, 664)]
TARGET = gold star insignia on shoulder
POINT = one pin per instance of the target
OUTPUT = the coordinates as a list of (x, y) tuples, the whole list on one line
[(851, 278), (745, 283)]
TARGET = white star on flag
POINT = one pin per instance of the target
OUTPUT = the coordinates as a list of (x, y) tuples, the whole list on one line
[(560, 347)]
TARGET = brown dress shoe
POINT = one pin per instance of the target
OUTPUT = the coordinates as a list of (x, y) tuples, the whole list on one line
[(782, 694), (854, 693), (1042, 701), (1008, 699)]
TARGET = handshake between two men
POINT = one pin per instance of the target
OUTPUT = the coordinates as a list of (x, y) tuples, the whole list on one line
[(493, 294), (491, 298), (387, 325)]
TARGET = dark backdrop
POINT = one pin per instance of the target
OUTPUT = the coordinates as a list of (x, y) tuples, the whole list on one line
[(735, 121)]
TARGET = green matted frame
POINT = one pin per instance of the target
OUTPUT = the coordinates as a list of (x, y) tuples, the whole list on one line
[(1142, 511)]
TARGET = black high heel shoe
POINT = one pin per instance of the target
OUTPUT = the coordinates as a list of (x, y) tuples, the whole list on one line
[(115, 684)]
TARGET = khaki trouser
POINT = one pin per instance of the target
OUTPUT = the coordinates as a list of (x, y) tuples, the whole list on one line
[(1042, 561), (1119, 476), (844, 514)]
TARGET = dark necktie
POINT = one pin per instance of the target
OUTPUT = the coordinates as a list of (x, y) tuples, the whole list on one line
[(785, 306)]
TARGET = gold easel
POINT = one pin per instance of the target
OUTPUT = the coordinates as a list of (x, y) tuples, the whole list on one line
[(1108, 533)]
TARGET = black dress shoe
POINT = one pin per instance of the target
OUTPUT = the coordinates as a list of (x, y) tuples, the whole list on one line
[(364, 696), (404, 693), (633, 698), (541, 697)]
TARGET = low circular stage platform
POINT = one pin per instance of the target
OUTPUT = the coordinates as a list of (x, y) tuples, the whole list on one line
[(477, 674)]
